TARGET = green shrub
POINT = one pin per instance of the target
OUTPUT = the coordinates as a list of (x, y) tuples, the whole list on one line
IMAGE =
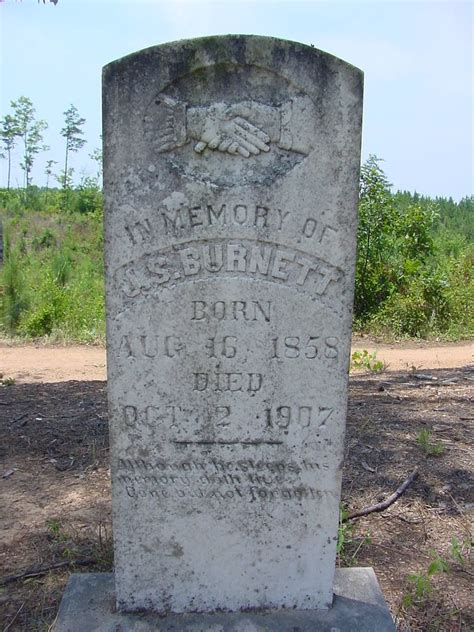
[(88, 197), (46, 310), (368, 361), (403, 314), (46, 240), (460, 297)]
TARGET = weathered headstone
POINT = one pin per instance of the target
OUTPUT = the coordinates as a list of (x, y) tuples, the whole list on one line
[(231, 182)]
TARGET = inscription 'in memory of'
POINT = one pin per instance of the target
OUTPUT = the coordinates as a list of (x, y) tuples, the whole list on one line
[(185, 219)]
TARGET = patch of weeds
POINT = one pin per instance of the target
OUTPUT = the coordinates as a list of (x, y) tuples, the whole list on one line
[(7, 381), (61, 268), (429, 447), (348, 546), (456, 551), (459, 550), (103, 549), (61, 540), (358, 543), (55, 287), (421, 589), (343, 532), (367, 361), (54, 527), (47, 309), (422, 586), (438, 565), (46, 240), (93, 543)]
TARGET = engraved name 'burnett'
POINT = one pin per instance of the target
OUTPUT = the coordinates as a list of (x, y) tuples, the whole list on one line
[(201, 260)]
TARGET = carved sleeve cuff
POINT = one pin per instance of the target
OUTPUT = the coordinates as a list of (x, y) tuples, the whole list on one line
[(286, 114), (296, 120), (167, 125)]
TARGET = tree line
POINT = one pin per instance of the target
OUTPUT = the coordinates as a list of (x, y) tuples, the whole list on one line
[(21, 127), (415, 261), (414, 267)]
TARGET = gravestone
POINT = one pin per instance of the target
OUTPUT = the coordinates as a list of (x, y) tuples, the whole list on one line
[(231, 188)]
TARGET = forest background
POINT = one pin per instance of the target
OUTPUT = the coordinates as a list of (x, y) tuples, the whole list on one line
[(415, 261)]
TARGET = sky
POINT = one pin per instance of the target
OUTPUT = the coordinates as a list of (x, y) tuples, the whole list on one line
[(417, 58)]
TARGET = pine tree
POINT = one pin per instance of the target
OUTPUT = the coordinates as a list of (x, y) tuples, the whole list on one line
[(375, 233), (8, 134), (72, 132), (31, 131)]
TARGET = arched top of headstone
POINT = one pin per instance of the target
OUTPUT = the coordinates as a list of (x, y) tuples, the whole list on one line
[(191, 54), (231, 110)]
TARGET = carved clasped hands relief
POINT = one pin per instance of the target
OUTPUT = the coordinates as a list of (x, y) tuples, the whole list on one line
[(221, 129), (242, 129)]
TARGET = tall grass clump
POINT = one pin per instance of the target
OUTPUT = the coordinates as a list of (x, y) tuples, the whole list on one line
[(51, 283), (13, 294)]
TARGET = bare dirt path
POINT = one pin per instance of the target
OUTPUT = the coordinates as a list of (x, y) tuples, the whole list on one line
[(50, 364), (422, 355)]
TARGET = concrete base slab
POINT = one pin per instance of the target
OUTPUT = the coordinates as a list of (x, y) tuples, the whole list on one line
[(88, 605)]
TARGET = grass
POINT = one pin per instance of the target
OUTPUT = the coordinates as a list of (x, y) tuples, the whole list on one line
[(67, 544), (52, 279), (429, 447), (457, 552), (348, 544), (421, 582)]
